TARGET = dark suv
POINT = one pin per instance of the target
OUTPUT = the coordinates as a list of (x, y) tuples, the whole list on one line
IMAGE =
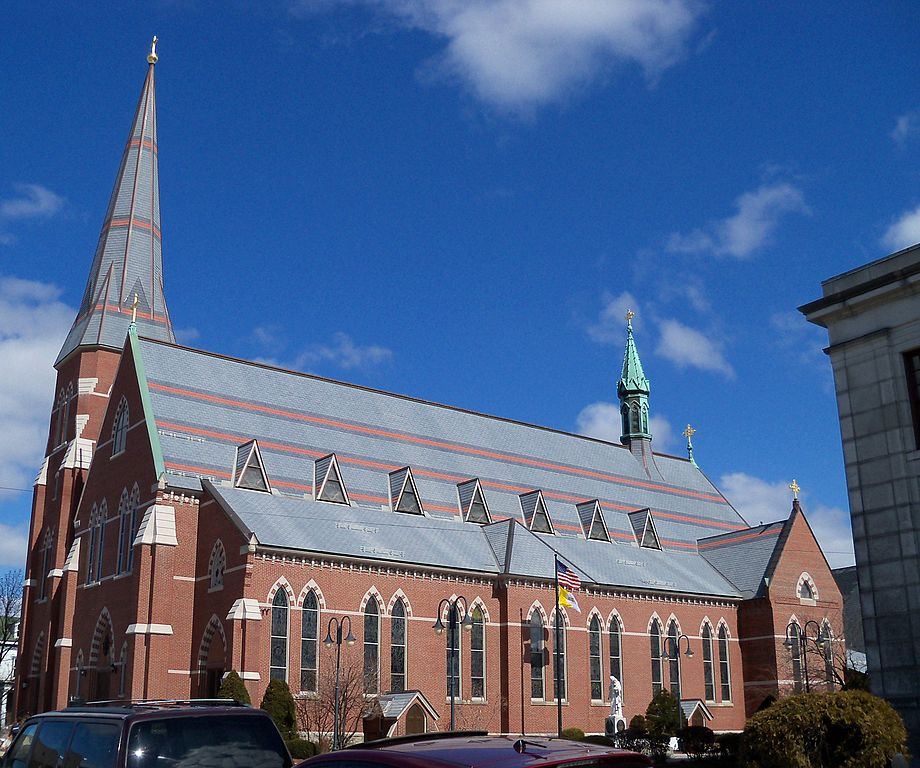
[(190, 734)]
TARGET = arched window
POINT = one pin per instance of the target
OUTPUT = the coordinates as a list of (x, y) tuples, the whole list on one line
[(58, 421), (654, 636), (537, 661), (309, 643), (279, 638), (594, 659), (724, 677), (453, 657), (122, 535), (634, 419), (131, 517), (91, 549), (478, 655), (825, 643), (65, 414), (559, 665), (708, 678), (217, 566), (120, 427), (615, 636), (47, 545), (805, 591), (645, 418), (673, 650), (100, 556), (398, 647), (372, 646)]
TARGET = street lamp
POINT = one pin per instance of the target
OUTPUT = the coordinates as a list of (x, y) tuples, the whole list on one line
[(328, 641), (672, 651), (453, 609), (800, 633)]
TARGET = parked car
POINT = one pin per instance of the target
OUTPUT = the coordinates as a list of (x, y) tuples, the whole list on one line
[(190, 734), (475, 749)]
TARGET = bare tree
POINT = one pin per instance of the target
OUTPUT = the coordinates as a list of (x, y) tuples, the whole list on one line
[(316, 713), (10, 608), (822, 661)]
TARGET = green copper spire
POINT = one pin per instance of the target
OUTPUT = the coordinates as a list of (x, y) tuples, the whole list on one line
[(633, 389)]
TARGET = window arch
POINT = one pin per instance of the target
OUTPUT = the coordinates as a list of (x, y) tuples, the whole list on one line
[(724, 676), (123, 544), (217, 565), (309, 644), (452, 661), (372, 646), (708, 677), (615, 639), (594, 659), (478, 654), (46, 550), (65, 414), (96, 542), (559, 641), (825, 643), (398, 646), (58, 420), (805, 589), (131, 518), (673, 653), (279, 636), (120, 427), (654, 636), (537, 657)]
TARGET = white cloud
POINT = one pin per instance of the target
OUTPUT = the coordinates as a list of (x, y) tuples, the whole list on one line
[(344, 353), (33, 323), (906, 126), (756, 219), (602, 420), (34, 201), (520, 54), (610, 327), (904, 231), (687, 347), (760, 501)]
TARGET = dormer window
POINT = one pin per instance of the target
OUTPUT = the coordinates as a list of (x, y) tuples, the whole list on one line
[(327, 480), (536, 517), (250, 471), (403, 493), (592, 521), (473, 507), (120, 427), (643, 526)]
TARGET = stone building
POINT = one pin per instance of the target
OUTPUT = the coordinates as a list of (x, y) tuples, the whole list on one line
[(197, 514), (872, 316)]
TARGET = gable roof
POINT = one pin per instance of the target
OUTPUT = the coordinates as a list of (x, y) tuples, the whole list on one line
[(744, 557), (205, 405)]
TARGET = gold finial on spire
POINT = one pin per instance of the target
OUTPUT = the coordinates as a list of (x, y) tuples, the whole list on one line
[(689, 432), (629, 316), (795, 488), (136, 300), (152, 56)]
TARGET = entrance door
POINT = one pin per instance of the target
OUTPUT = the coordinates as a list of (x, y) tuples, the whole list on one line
[(415, 720), (215, 676)]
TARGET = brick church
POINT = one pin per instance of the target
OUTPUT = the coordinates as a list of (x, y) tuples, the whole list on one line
[(196, 514)]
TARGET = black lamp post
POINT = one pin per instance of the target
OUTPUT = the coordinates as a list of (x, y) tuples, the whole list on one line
[(800, 633), (672, 646), (328, 641), (453, 616)]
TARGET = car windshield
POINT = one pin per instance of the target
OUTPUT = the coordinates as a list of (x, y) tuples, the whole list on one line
[(207, 742)]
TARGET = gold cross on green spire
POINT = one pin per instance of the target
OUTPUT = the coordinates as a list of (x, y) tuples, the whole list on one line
[(795, 488), (134, 304), (689, 432), (629, 316)]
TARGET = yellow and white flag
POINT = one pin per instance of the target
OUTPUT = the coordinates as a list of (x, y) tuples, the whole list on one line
[(567, 599)]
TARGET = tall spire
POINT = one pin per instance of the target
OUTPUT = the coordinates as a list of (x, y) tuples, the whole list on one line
[(633, 389), (128, 258)]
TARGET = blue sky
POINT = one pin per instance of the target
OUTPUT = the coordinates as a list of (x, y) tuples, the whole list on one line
[(458, 200)]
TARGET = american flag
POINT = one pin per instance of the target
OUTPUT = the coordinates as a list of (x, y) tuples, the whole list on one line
[(567, 578)]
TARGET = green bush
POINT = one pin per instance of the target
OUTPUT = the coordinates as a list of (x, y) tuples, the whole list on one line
[(575, 734), (279, 704), (638, 723), (301, 749), (729, 745), (845, 729), (697, 741), (633, 739), (662, 716), (233, 687)]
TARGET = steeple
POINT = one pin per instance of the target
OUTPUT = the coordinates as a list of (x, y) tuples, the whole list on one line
[(128, 258), (633, 390)]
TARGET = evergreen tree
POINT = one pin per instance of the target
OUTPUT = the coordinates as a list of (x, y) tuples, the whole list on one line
[(662, 717), (279, 703), (232, 687)]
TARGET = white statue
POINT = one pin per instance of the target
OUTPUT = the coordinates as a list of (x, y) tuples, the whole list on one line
[(615, 721)]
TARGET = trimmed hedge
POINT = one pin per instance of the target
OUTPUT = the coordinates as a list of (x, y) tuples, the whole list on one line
[(233, 687), (697, 741), (279, 704), (575, 734), (845, 729)]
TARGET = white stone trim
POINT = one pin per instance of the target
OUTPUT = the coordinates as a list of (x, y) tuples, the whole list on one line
[(81, 421), (79, 454), (149, 629), (28, 583), (42, 477), (72, 563), (158, 527), (87, 386), (244, 609), (250, 676), (55, 573), (63, 642)]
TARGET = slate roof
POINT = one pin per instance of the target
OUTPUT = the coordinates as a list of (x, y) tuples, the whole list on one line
[(744, 557), (205, 405), (128, 256)]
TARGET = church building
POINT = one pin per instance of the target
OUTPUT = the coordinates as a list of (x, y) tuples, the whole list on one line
[(196, 514)]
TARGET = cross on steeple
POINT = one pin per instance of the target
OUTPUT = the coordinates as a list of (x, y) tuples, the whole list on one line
[(629, 316), (134, 304), (689, 432), (795, 488)]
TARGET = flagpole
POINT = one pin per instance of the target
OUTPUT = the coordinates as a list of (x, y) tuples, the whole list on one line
[(558, 684)]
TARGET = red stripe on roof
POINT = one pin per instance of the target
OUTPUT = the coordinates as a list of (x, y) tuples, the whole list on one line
[(134, 222), (454, 447), (729, 539)]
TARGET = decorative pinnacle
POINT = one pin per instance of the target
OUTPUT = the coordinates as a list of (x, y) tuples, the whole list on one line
[(134, 304), (629, 316), (795, 488), (688, 433), (152, 56)]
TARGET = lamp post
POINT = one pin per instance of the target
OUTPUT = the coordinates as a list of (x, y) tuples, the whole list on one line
[(453, 611), (328, 641), (800, 633), (672, 646)]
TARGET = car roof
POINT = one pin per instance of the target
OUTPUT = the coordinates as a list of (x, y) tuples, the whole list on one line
[(145, 710), (477, 749)]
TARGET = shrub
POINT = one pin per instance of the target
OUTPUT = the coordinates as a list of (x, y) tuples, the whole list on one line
[(729, 745), (662, 716), (847, 729), (634, 739), (301, 749), (697, 741), (638, 723), (575, 734), (233, 687), (279, 704)]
